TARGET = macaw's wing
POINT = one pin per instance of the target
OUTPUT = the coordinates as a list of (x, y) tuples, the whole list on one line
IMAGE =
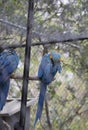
[(40, 71), (44, 68), (8, 63)]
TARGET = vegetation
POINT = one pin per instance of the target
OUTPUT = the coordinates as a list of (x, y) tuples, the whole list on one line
[(64, 25)]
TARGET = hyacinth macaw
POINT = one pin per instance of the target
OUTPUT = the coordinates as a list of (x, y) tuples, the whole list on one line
[(8, 63), (49, 66)]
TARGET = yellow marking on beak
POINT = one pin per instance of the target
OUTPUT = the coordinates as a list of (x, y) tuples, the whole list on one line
[(61, 59)]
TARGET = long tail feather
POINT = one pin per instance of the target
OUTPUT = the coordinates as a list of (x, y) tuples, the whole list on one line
[(4, 93), (40, 102)]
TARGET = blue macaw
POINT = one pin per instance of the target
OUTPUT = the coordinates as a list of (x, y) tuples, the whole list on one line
[(50, 64), (8, 63)]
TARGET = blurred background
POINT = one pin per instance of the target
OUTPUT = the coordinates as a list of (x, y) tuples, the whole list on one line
[(62, 22)]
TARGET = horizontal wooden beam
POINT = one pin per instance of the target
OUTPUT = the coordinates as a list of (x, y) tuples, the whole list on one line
[(64, 39), (21, 78)]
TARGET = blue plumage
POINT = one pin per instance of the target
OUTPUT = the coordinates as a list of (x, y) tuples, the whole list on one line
[(8, 63), (50, 64)]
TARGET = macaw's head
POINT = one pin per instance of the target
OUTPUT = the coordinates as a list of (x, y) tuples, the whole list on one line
[(56, 59)]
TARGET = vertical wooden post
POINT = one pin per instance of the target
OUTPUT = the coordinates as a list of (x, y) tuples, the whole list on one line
[(26, 66), (26, 63)]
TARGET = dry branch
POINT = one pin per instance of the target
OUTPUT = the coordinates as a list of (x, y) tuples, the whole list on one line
[(36, 34)]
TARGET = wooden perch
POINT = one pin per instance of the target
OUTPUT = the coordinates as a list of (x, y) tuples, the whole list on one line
[(21, 78), (13, 76)]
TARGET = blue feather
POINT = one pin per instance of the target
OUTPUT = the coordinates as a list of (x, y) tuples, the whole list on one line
[(8, 63), (48, 68), (43, 88)]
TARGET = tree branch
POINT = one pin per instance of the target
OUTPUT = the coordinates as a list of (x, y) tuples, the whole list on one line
[(12, 24), (36, 34), (77, 111), (56, 37), (47, 114), (5, 38)]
